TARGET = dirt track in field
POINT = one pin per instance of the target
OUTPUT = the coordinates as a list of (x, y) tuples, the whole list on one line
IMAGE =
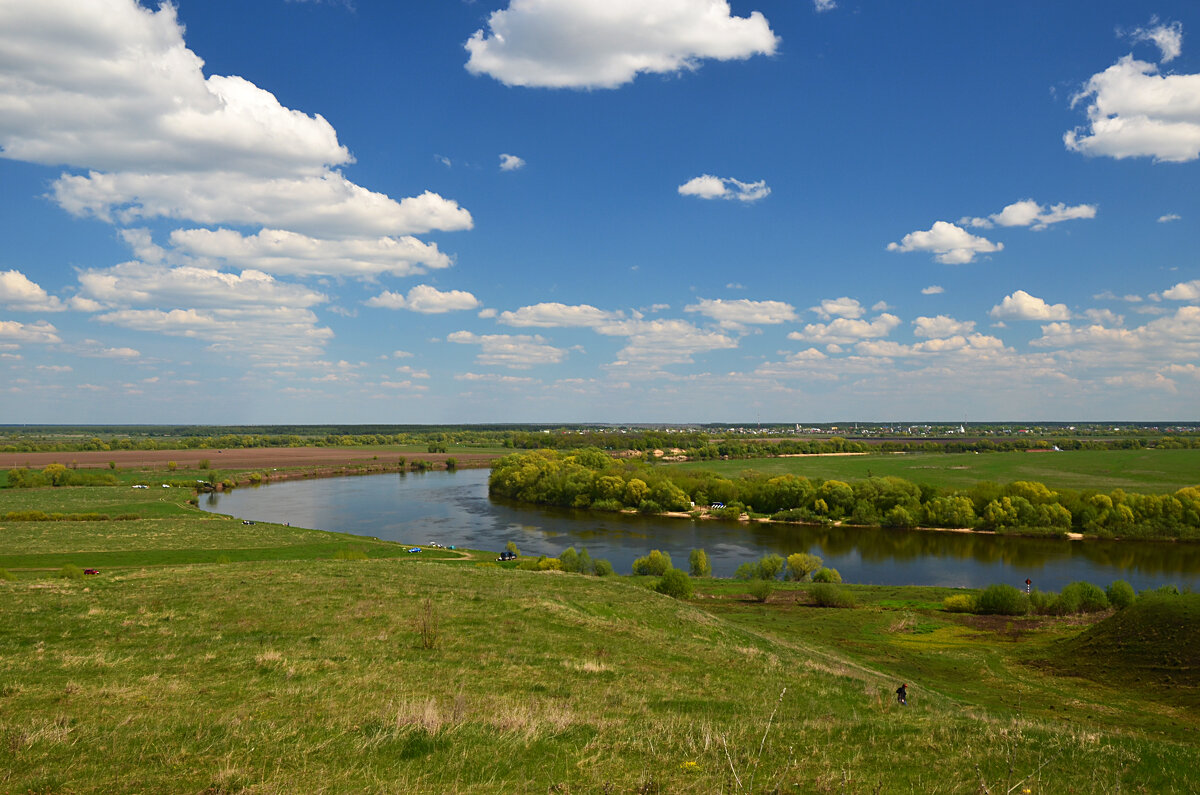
[(250, 458)]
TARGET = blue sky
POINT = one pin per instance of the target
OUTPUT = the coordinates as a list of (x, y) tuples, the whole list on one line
[(598, 211)]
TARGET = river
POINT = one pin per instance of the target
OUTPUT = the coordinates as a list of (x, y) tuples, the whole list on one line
[(454, 508)]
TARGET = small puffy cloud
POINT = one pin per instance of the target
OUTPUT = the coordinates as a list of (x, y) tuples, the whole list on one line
[(425, 299), (556, 315), (607, 43), (20, 294), (511, 163), (1133, 111), (1104, 317), (821, 6), (1168, 38), (54, 368), (941, 326), (279, 332), (662, 342), (933, 289), (1168, 218), (1184, 291), (744, 312), (1023, 306), (134, 283), (40, 332), (495, 378), (1027, 212), (517, 351), (839, 307), (950, 244), (94, 349), (291, 253), (707, 186), (846, 330), (326, 204)]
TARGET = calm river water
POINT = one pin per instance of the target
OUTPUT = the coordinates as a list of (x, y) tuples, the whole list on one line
[(454, 508)]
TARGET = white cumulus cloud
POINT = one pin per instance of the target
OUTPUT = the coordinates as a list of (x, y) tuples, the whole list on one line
[(941, 326), (517, 351), (1184, 291), (707, 186), (1023, 306), (607, 43), (511, 163), (846, 330), (950, 244), (20, 294), (556, 315), (742, 311), (40, 332), (1134, 111), (1168, 38), (291, 253), (1028, 212), (839, 307), (425, 299)]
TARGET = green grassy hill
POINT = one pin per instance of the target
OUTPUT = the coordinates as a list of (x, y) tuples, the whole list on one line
[(282, 670), (1155, 641)]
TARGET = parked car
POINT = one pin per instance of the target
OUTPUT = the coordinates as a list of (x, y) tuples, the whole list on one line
[(414, 549), (91, 571)]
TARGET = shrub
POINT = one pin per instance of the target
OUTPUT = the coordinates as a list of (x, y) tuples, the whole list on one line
[(1120, 594), (746, 571), (1043, 602), (603, 568), (354, 553), (649, 506), (608, 504), (586, 564), (452, 463), (223, 560), (1002, 600), (255, 478), (959, 603), (6, 575), (71, 572), (801, 565), (829, 595), (656, 563), (826, 575), (698, 563), (511, 546), (204, 464), (761, 590), (1082, 597), (675, 583), (569, 559), (770, 566), (172, 466), (112, 464)]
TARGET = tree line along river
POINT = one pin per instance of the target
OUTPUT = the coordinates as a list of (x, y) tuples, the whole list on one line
[(454, 508)]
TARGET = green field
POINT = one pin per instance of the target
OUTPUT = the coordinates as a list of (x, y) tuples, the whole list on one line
[(282, 670), (1145, 471)]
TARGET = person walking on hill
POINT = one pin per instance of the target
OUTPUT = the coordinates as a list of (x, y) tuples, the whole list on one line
[(902, 695)]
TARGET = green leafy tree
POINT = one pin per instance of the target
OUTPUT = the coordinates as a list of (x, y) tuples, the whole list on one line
[(656, 563), (801, 565), (511, 546), (698, 563)]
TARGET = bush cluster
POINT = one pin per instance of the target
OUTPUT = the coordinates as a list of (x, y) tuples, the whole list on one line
[(1075, 598), (675, 583)]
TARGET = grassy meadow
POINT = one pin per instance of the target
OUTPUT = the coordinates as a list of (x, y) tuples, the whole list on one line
[(1149, 471), (217, 657)]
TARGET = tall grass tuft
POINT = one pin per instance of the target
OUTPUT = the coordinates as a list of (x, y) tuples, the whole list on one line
[(426, 624)]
